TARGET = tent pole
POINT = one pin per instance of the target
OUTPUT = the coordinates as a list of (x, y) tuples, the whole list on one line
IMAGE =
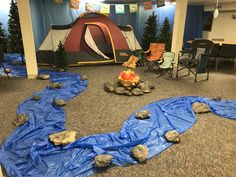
[(112, 43)]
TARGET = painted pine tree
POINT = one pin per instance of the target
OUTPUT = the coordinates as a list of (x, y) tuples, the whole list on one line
[(165, 34), (14, 30), (3, 39), (150, 31), (61, 59)]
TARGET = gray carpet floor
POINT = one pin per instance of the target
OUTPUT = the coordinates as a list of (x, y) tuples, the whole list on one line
[(207, 149)]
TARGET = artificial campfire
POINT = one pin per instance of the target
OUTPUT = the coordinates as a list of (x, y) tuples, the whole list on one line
[(128, 79), (128, 83)]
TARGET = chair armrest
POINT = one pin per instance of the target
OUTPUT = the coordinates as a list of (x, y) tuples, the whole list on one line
[(188, 50), (208, 55), (185, 51), (147, 51)]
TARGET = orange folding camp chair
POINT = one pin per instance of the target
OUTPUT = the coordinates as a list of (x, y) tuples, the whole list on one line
[(153, 55)]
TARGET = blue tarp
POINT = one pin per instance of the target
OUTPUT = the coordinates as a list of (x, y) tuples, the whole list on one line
[(16, 70), (28, 151)]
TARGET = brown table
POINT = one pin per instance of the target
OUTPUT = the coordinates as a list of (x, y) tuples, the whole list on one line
[(216, 42)]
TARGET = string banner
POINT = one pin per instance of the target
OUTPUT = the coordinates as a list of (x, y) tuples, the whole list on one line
[(160, 3), (89, 7), (133, 8), (74, 4), (105, 8), (147, 5), (120, 8)]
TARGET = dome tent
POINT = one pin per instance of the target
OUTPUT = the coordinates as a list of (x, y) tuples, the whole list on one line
[(92, 38)]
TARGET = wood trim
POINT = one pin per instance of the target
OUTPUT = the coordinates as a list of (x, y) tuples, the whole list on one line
[(81, 63), (95, 62)]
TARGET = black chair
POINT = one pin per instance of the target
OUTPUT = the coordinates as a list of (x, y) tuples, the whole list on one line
[(196, 61), (215, 52), (227, 51), (2, 59)]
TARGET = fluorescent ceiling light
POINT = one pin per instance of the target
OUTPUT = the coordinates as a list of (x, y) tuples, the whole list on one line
[(216, 12)]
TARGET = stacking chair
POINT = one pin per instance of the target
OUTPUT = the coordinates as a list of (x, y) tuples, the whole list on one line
[(215, 52), (197, 61), (153, 55), (227, 51), (167, 66), (2, 59)]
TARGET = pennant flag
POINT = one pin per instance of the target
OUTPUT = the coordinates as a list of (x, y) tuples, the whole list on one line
[(120, 8), (105, 8), (74, 4), (58, 1), (90, 7), (147, 5), (160, 3), (133, 8)]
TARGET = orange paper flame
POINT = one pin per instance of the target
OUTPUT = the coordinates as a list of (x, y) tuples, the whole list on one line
[(129, 76)]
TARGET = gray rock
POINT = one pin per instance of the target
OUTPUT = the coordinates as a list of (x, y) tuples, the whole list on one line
[(172, 136), (120, 90), (144, 114), (103, 160), (36, 97), (151, 85), (59, 102), (15, 63), (140, 153), (84, 77), (8, 70), (44, 76), (63, 138), (218, 98), (199, 108), (128, 93), (144, 87), (61, 70), (20, 119), (127, 85), (56, 85), (109, 86), (137, 92)]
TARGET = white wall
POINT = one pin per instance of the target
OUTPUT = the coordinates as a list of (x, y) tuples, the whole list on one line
[(223, 27)]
